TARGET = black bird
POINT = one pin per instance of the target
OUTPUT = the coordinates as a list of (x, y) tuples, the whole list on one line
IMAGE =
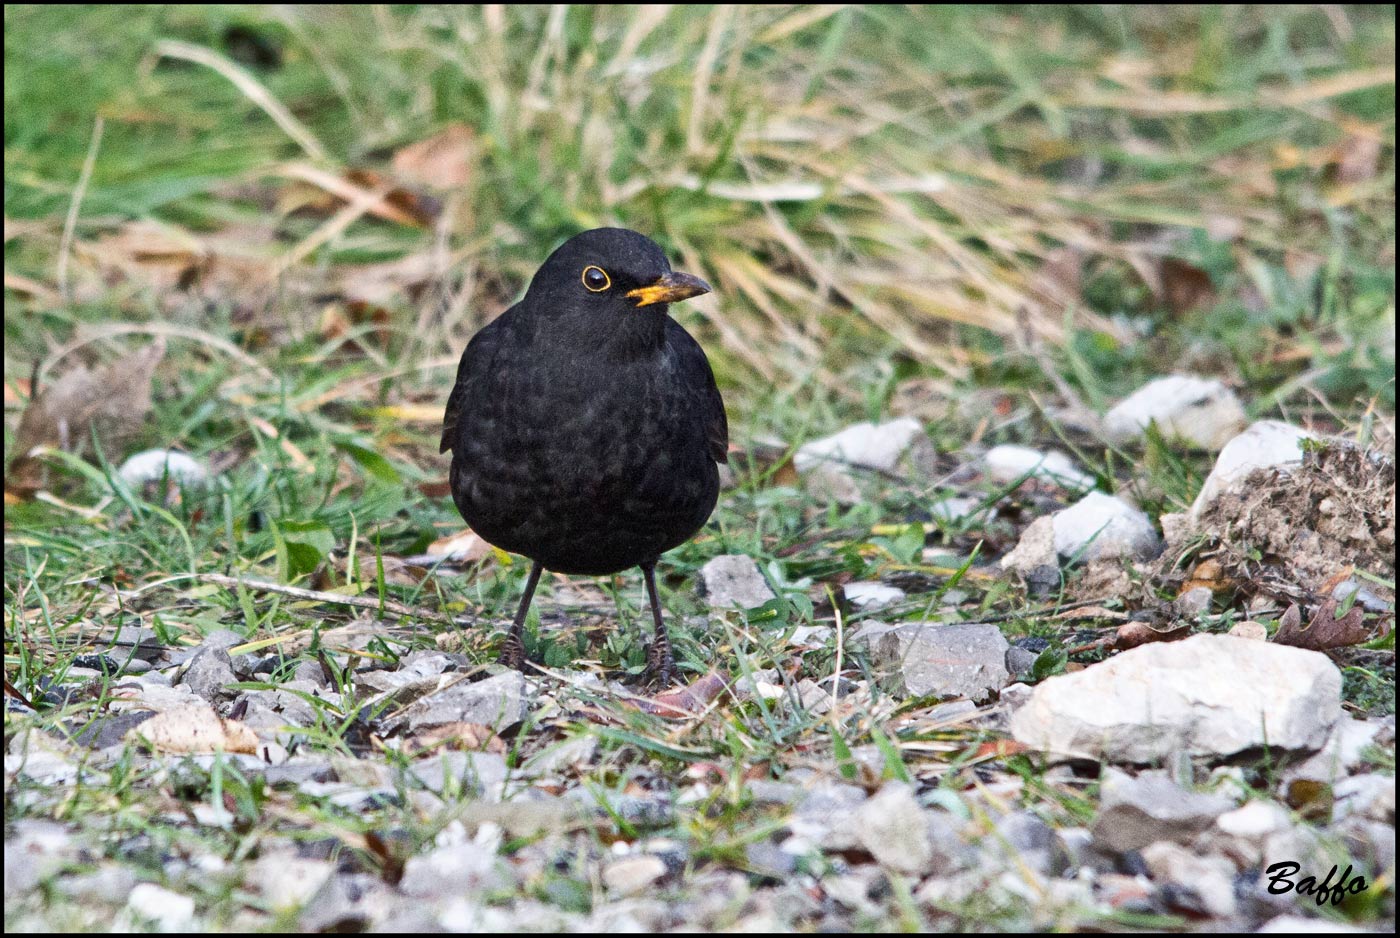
[(585, 424)]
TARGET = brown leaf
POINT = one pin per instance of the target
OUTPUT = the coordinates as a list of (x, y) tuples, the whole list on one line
[(1183, 286), (194, 729), (1133, 634), (464, 547), (1329, 628), (442, 161), (113, 401), (685, 702), (1091, 612), (470, 737)]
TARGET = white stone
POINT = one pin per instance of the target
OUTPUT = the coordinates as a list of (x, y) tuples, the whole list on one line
[(1201, 412), (1207, 695), (872, 446), (954, 508), (153, 465), (1264, 444), (631, 876), (917, 659), (167, 911), (1036, 548), (872, 595), (1008, 463), (1103, 527)]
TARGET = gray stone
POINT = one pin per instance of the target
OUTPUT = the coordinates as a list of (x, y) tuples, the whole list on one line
[(1201, 412), (1210, 696), (917, 659), (1210, 877), (1194, 602), (347, 903), (453, 870), (1135, 812), (479, 774), (210, 673), (1368, 796), (733, 581), (1022, 837), (1344, 751), (34, 850), (893, 827), (498, 702), (1035, 551)]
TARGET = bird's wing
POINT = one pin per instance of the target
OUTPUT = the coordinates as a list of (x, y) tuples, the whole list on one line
[(476, 362), (710, 404)]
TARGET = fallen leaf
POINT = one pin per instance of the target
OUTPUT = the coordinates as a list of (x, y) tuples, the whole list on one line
[(194, 729), (1182, 286), (471, 737), (1133, 634), (112, 402), (464, 547), (1329, 628), (442, 161), (685, 702), (1092, 612)]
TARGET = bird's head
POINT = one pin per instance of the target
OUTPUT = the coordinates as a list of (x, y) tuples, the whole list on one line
[(609, 271)]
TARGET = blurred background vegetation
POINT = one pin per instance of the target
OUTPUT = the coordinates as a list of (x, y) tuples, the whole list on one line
[(978, 196)]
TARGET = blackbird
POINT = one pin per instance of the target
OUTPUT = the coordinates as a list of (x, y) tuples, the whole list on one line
[(585, 424)]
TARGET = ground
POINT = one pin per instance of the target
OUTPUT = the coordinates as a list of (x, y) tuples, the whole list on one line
[(256, 690)]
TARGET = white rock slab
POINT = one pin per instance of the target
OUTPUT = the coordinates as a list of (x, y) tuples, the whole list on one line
[(1264, 444), (1201, 412), (873, 446), (1100, 527), (1208, 696)]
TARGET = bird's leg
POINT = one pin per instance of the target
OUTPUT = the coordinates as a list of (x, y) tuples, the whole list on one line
[(661, 664), (513, 650)]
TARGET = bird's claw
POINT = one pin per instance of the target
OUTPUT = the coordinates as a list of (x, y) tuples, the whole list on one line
[(661, 664), (513, 653)]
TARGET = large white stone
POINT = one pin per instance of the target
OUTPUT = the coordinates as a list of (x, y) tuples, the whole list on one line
[(1265, 444), (1008, 463), (1103, 527), (1208, 696), (869, 445), (1201, 412)]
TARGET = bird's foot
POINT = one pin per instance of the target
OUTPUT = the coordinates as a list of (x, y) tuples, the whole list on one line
[(513, 653), (661, 664)]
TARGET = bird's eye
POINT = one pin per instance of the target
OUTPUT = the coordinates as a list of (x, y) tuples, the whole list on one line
[(596, 279)]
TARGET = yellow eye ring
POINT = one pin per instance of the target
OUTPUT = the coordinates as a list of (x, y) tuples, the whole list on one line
[(591, 281)]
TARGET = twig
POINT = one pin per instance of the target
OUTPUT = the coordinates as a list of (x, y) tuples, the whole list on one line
[(319, 596), (71, 222)]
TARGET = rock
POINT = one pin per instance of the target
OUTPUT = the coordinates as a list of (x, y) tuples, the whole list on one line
[(1135, 812), (893, 827), (954, 508), (151, 906), (156, 465), (1008, 463), (346, 903), (1020, 660), (871, 595), (479, 774), (1368, 796), (1264, 444), (109, 884), (630, 876), (917, 659), (1211, 696), (870, 446), (1345, 750), (287, 881), (1254, 631), (1212, 878), (1244, 834), (1103, 527), (1022, 837), (210, 673), (1035, 551), (1302, 925), (498, 702), (1201, 412), (454, 869), (733, 581), (1194, 602), (34, 850)]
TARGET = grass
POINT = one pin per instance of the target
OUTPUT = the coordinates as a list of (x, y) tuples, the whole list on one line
[(990, 218)]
